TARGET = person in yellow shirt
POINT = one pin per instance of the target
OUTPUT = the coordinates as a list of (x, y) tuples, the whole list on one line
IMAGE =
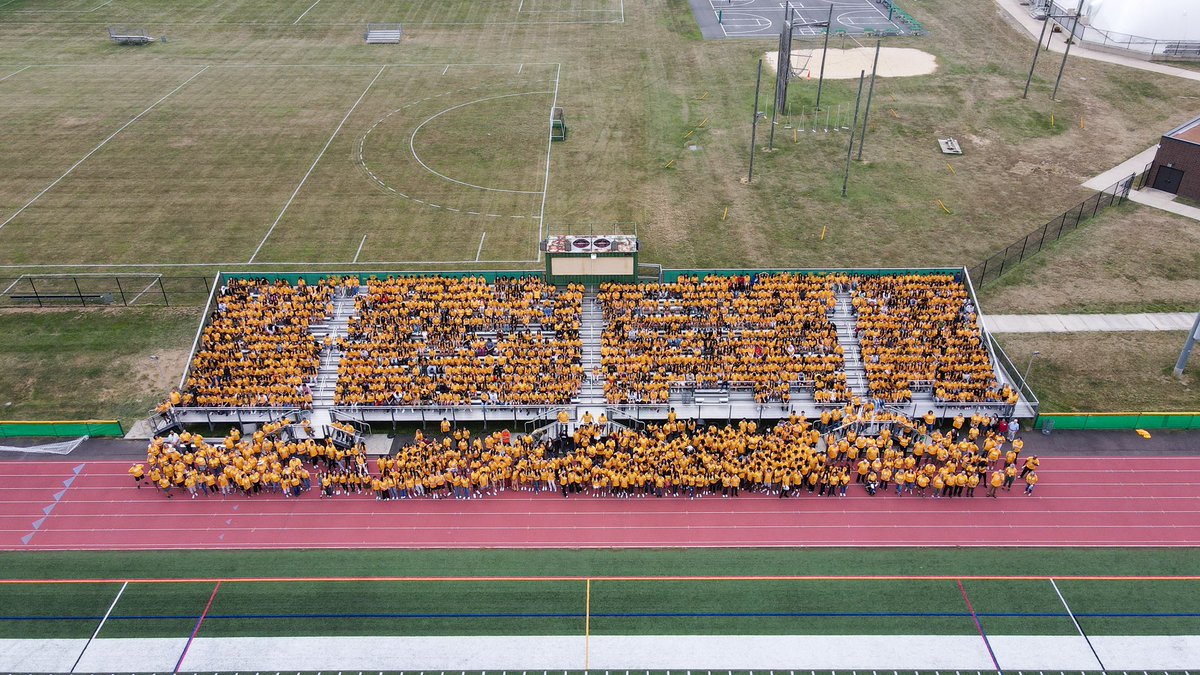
[(1031, 465), (1010, 475), (138, 471), (1031, 479)]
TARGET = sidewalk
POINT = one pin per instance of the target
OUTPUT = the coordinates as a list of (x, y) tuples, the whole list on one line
[(1020, 15), (1088, 323), (1156, 199)]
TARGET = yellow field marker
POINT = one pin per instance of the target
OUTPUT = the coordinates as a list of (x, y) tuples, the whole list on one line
[(952, 172), (669, 164), (892, 112), (702, 97), (1052, 119), (795, 135), (725, 214), (823, 228), (1081, 124), (943, 206), (702, 123), (587, 627), (688, 134)]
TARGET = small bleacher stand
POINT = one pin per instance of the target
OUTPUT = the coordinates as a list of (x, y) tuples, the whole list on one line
[(130, 36), (383, 33)]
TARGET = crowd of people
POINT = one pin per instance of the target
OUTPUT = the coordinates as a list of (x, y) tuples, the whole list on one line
[(449, 340), (460, 341), (765, 330), (923, 329), (874, 451), (256, 349)]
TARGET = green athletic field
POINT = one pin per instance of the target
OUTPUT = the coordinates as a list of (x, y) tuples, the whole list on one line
[(605, 606)]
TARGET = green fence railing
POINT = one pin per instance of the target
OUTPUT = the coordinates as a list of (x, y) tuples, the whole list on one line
[(1121, 421), (63, 429)]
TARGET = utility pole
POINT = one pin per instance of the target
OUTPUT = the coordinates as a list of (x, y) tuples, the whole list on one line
[(824, 53), (862, 74), (870, 92), (1036, 48), (1187, 347), (1070, 39), (754, 125)]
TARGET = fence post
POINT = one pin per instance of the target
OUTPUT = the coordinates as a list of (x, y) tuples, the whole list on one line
[(1097, 209), (1043, 239), (207, 289), (1080, 216), (164, 291), (121, 291), (79, 292), (35, 292)]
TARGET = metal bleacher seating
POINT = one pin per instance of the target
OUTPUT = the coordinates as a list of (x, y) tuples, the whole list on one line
[(383, 33), (130, 36)]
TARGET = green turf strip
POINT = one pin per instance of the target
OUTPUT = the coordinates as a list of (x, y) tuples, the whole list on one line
[(155, 602), (1018, 597), (641, 562), (812, 607), (1134, 597), (422, 607), (42, 600)]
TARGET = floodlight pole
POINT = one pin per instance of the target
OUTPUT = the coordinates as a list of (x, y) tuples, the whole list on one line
[(862, 139), (754, 124), (824, 53), (1187, 347), (1036, 48), (1028, 369), (1070, 39), (862, 74)]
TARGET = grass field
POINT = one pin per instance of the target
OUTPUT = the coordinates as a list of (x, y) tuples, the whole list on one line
[(267, 134)]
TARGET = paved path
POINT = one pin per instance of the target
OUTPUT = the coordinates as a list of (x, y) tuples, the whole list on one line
[(1020, 14), (1088, 323), (539, 654)]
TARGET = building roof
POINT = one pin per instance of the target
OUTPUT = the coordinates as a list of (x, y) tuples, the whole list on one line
[(1189, 131)]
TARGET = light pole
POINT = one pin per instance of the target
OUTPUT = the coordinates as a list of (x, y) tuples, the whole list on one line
[(1029, 367)]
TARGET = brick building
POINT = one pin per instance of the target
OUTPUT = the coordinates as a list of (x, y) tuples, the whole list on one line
[(1176, 166)]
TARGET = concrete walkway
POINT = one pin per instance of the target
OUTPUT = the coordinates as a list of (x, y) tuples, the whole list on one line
[(1020, 15), (1088, 323), (539, 654)]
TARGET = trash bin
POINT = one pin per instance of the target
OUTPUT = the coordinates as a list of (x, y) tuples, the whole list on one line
[(1047, 426)]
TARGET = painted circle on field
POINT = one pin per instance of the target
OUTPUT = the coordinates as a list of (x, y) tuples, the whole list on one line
[(412, 144)]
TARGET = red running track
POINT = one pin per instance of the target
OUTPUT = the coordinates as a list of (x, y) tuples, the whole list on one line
[(1080, 501)]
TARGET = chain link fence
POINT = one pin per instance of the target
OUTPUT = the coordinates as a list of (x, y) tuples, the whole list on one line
[(991, 269)]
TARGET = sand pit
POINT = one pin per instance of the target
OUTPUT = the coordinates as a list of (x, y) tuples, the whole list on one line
[(846, 64)]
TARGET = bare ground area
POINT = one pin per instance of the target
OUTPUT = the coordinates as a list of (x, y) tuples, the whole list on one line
[(1106, 372)]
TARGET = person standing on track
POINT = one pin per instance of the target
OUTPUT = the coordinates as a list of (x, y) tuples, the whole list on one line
[(1031, 465), (997, 481), (1031, 480)]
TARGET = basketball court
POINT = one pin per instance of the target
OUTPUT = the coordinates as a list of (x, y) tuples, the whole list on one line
[(720, 19)]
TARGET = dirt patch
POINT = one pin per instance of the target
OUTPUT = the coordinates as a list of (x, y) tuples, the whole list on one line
[(73, 122), (846, 64)]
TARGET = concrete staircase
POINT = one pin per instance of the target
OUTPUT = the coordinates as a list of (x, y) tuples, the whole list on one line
[(845, 321), (591, 330), (324, 383)]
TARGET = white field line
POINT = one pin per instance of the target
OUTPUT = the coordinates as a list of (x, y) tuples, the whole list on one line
[(6, 4), (310, 7), (60, 11), (520, 6), (16, 73), (10, 286), (537, 245), (148, 287), (447, 69), (413, 138), (1076, 622), (97, 148), (480, 251), (102, 621), (314, 164), (359, 251), (331, 24)]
